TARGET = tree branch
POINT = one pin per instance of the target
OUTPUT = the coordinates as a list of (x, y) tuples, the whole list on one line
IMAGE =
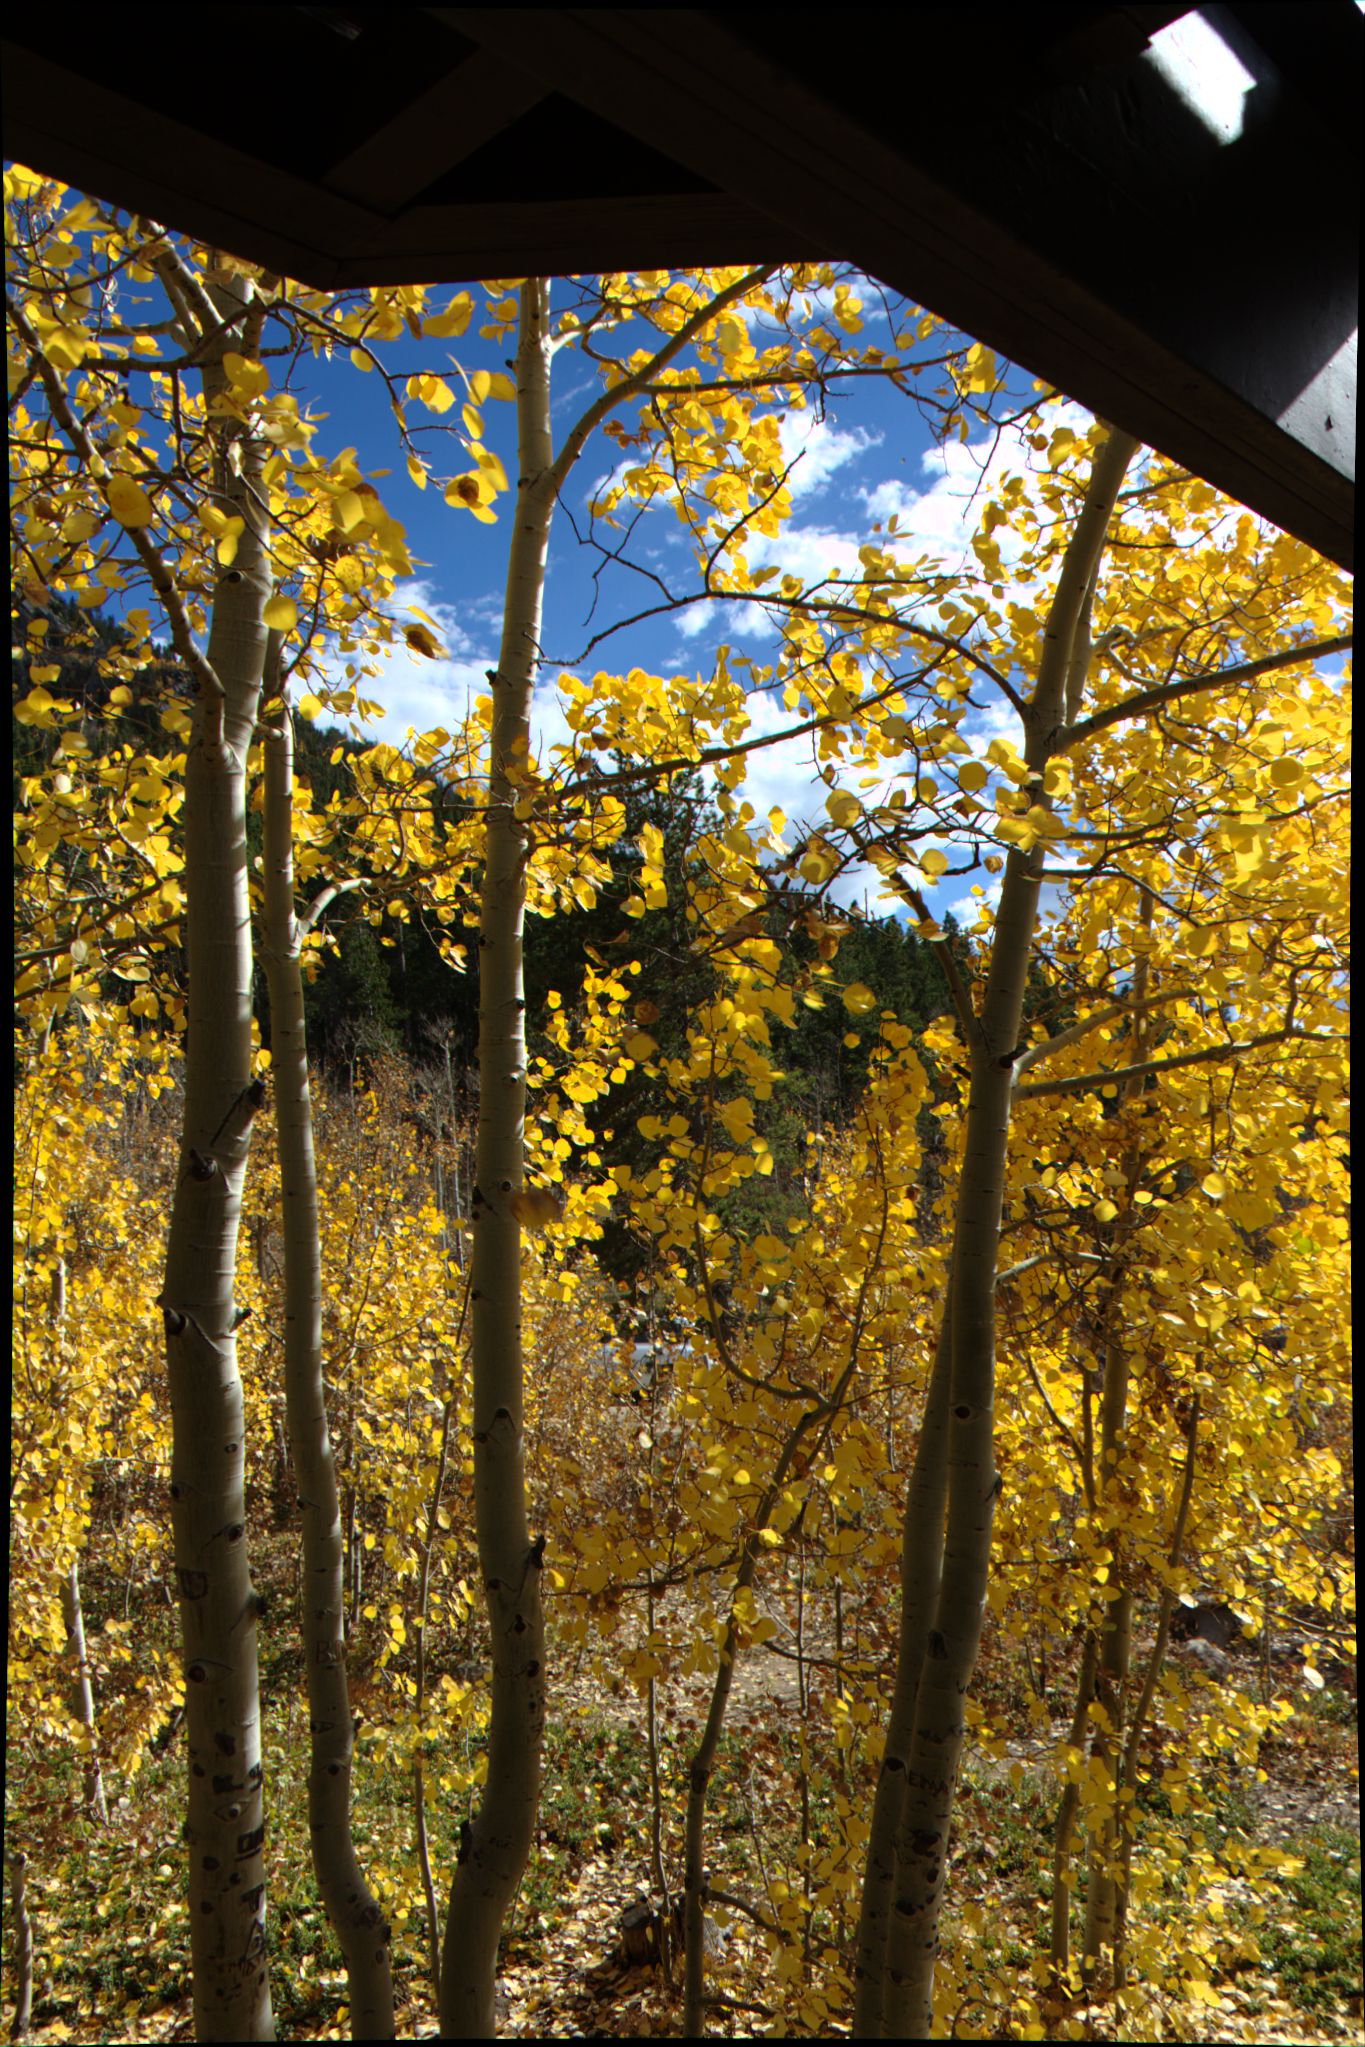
[(161, 578), (1168, 692), (680, 763), (1092, 1023), (1081, 1081), (631, 386), (943, 952)]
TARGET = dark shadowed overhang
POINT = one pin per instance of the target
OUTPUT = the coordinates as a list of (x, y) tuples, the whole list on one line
[(1155, 210)]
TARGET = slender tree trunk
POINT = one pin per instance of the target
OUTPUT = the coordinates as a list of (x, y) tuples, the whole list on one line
[(73, 1619), (23, 1945), (1127, 1774), (493, 1849), (921, 1567), (695, 1883), (224, 1820), (351, 1906), (1064, 1828), (952, 1642), (1116, 1633), (1111, 1671), (82, 1691), (449, 1385)]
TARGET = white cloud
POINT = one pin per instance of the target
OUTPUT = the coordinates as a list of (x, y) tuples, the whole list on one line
[(941, 517), (816, 449), (727, 622), (419, 693)]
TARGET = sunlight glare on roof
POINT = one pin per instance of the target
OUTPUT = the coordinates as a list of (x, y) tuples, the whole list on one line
[(1209, 77)]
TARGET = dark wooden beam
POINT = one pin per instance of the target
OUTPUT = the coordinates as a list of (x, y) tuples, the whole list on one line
[(1030, 174), (1060, 234)]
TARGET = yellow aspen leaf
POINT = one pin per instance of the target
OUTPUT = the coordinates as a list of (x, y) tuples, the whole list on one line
[(249, 378), (492, 468), (450, 324), (281, 614), (226, 549), (129, 502), (535, 1208), (422, 641), (1104, 1211), (433, 392), (468, 490), (348, 510), (933, 863), (858, 998), (1214, 1185), (37, 708), (971, 776)]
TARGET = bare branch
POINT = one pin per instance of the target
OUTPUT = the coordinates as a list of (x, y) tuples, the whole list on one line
[(315, 910)]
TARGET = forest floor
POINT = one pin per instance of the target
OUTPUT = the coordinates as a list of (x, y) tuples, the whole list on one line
[(111, 1952)]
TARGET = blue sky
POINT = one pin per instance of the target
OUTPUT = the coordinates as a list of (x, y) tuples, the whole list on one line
[(870, 456)]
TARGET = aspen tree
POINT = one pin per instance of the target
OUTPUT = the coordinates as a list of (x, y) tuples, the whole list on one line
[(896, 1998), (1113, 816), (495, 1844), (219, 1608), (356, 1917), (91, 505)]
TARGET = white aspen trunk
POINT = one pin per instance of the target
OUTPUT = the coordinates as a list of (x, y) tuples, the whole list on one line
[(73, 1619), (953, 1641), (82, 1691), (224, 1819), (493, 1849), (352, 1908)]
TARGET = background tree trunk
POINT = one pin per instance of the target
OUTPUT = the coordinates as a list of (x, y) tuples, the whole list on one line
[(23, 1946), (953, 1641), (82, 1691), (355, 1914), (921, 1568)]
